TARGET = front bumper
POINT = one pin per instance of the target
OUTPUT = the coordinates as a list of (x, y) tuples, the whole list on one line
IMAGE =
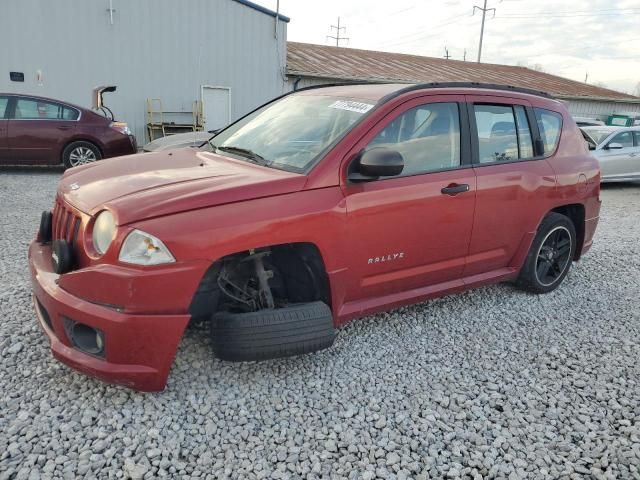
[(138, 349)]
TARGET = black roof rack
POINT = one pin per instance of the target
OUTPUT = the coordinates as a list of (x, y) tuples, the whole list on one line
[(488, 86), (420, 86)]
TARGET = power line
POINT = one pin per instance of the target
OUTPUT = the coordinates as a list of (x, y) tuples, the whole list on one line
[(575, 13), (337, 37), (484, 11)]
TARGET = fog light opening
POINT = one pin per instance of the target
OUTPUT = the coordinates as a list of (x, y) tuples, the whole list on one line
[(88, 339)]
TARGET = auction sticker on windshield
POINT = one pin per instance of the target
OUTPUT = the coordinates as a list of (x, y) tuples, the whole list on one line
[(352, 106)]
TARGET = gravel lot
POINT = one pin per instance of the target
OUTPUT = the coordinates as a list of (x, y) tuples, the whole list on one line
[(492, 383)]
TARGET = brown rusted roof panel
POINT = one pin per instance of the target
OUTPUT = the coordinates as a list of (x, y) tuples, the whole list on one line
[(368, 65)]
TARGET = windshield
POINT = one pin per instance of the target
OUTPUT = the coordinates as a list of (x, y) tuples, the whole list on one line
[(598, 136), (292, 132)]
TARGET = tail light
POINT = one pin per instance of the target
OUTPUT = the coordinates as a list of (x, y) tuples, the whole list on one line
[(121, 127)]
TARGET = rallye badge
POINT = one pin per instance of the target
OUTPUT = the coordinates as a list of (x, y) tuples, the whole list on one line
[(386, 258)]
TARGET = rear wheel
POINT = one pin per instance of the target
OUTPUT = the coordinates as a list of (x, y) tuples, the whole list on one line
[(80, 153), (550, 256)]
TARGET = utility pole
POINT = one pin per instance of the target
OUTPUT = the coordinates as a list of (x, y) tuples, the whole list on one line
[(446, 53), (484, 11), (464, 56), (338, 29)]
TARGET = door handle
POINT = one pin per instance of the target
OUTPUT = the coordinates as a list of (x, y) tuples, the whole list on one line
[(64, 127), (455, 188)]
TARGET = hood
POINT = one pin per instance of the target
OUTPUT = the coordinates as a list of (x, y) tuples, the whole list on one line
[(138, 187), (180, 140)]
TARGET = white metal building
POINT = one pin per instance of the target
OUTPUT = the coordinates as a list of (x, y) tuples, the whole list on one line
[(228, 53), (309, 64)]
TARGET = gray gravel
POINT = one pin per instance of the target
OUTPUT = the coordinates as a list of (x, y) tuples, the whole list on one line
[(492, 383)]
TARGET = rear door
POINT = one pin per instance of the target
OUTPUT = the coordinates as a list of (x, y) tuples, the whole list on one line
[(511, 181), (619, 162), (38, 129), (4, 123), (409, 232)]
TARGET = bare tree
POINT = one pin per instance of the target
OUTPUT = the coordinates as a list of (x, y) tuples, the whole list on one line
[(636, 91)]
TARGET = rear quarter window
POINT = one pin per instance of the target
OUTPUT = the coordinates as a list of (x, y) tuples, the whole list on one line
[(550, 126)]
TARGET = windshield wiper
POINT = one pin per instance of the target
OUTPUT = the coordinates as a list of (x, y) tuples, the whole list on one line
[(245, 152)]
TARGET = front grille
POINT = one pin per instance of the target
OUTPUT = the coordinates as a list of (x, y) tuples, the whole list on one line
[(65, 223)]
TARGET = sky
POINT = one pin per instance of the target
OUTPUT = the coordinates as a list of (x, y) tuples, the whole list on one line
[(577, 39)]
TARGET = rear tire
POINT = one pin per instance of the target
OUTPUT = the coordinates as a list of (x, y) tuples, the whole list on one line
[(550, 255), (266, 334), (80, 153)]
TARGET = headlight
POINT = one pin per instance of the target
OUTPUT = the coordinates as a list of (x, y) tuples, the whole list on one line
[(104, 230), (144, 249)]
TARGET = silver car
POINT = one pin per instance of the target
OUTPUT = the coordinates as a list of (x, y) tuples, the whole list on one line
[(617, 149)]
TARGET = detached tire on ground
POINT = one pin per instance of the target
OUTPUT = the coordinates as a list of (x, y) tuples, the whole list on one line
[(550, 256), (266, 334)]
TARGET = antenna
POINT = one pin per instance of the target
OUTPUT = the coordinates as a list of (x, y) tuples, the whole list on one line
[(338, 29)]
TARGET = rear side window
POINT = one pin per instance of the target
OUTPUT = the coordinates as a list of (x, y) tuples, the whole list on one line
[(525, 145), (497, 136), (70, 113), (550, 126), (33, 109), (636, 134), (4, 101)]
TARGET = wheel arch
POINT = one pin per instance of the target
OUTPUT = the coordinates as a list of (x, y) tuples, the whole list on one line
[(92, 141), (576, 213), (286, 255)]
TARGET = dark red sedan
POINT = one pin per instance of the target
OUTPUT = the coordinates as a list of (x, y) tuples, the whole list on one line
[(41, 131)]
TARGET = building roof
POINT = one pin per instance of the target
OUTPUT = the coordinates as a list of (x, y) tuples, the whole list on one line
[(350, 64), (262, 9)]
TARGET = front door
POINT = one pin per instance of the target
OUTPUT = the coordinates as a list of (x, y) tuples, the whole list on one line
[(38, 129), (4, 123), (620, 162), (511, 179), (216, 107), (412, 231)]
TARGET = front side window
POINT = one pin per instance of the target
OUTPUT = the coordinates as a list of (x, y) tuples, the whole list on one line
[(497, 135), (625, 139), (32, 109), (293, 132), (550, 126), (636, 134), (427, 137), (4, 102)]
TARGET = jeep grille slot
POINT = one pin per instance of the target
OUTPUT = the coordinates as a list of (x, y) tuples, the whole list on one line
[(65, 223)]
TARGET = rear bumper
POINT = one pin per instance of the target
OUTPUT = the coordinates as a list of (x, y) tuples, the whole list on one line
[(121, 145), (138, 349), (589, 232)]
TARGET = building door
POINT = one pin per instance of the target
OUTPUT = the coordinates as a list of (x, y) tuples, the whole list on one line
[(216, 107)]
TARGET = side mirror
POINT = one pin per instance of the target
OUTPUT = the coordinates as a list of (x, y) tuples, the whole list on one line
[(614, 146), (377, 162)]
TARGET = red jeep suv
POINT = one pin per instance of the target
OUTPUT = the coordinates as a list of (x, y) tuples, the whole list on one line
[(323, 205)]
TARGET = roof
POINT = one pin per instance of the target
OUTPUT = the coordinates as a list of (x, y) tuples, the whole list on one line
[(262, 9), (350, 64)]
